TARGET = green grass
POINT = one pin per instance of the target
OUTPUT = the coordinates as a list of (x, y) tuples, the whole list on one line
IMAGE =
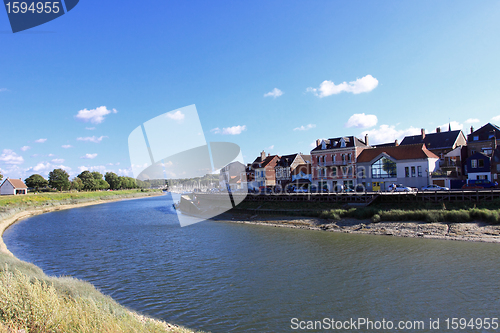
[(40, 199), (35, 302), (427, 212)]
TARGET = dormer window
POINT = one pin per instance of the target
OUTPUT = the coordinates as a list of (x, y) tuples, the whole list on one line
[(342, 143), (476, 138), (323, 144)]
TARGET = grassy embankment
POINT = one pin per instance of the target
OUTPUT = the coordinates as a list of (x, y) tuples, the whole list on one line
[(451, 212), (34, 302)]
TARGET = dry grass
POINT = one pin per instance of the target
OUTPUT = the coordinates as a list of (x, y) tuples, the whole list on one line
[(34, 302)]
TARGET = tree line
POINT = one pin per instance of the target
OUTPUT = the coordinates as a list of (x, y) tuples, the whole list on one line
[(85, 181)]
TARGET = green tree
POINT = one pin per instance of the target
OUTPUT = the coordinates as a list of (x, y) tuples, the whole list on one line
[(59, 179), (1, 177), (102, 184), (36, 181), (389, 167), (76, 184), (88, 180), (113, 180)]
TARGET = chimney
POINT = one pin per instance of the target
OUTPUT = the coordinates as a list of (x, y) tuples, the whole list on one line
[(318, 142), (366, 139), (396, 143), (268, 154), (262, 155), (423, 133), (471, 129), (438, 129)]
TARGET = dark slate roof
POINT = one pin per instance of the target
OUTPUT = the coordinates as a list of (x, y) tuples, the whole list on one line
[(484, 132), (434, 140), (406, 152), (286, 160), (334, 143), (390, 144)]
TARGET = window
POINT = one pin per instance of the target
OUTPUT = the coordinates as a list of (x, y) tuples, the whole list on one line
[(476, 138), (384, 168), (419, 168), (413, 171), (473, 164), (334, 172), (481, 163), (349, 157), (498, 167), (482, 177), (407, 172)]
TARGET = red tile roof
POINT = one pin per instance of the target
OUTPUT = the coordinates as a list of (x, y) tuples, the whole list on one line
[(17, 183), (406, 152)]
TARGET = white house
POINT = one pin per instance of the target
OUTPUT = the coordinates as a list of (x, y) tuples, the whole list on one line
[(409, 165), (13, 187)]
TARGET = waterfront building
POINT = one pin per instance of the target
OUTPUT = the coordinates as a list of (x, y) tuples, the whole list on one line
[(410, 165), (263, 167), (451, 148), (334, 161), (13, 187), (286, 165)]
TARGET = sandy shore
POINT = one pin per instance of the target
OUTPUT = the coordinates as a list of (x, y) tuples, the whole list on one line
[(21, 215), (473, 231)]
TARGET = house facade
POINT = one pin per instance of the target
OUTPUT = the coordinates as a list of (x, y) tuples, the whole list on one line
[(478, 167), (286, 165), (13, 187), (334, 161), (409, 165), (264, 172), (232, 176), (483, 140)]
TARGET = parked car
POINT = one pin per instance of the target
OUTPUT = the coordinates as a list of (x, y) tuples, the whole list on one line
[(399, 188), (471, 187), (434, 187), (479, 184)]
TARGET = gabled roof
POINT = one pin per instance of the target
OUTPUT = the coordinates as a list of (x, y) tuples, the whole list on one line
[(16, 183), (263, 164), (484, 133), (286, 160), (406, 152), (434, 140), (335, 143)]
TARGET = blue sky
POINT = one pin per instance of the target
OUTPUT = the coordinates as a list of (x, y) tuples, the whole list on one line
[(404, 65)]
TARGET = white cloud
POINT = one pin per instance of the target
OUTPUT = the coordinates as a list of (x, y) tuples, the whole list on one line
[(24, 148), (270, 147), (90, 128), (496, 118), (9, 156), (89, 156), (472, 120), (274, 93), (327, 88), (235, 130), (67, 146), (361, 120), (304, 128), (40, 140), (3, 89), (58, 160), (387, 134), (43, 168), (91, 139), (177, 115), (455, 125), (95, 116)]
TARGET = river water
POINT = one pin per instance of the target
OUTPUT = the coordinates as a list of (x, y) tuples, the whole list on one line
[(226, 277)]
